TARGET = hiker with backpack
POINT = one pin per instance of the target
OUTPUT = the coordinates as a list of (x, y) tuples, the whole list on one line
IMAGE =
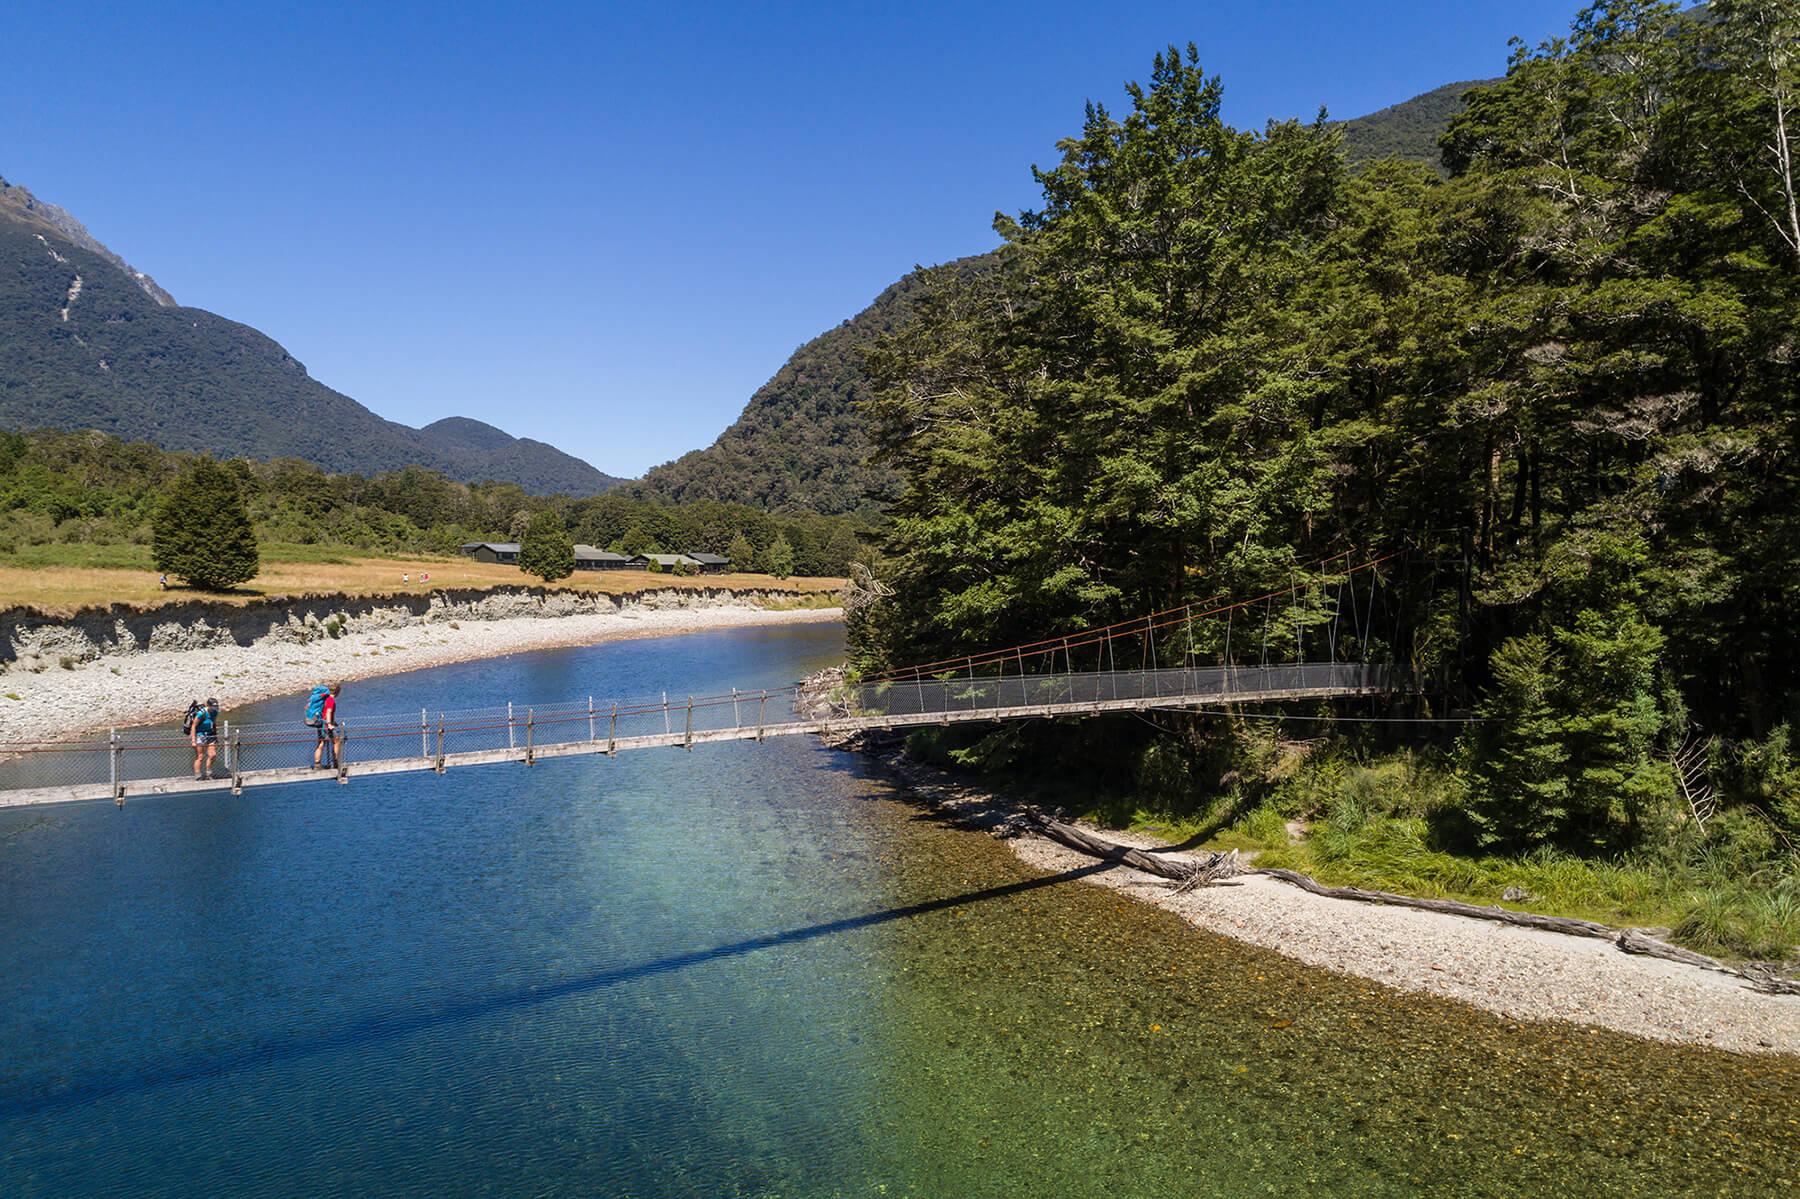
[(202, 728), (321, 714)]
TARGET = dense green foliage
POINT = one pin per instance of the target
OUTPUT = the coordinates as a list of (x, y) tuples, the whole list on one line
[(1561, 382), (802, 442), (104, 355), (546, 549), (91, 491), (201, 532)]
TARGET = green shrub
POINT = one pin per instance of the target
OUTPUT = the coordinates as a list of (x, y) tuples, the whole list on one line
[(1263, 826)]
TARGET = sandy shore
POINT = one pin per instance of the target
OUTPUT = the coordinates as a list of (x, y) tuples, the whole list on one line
[(141, 687), (1516, 973)]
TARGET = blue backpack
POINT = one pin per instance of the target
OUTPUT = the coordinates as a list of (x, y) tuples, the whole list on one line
[(315, 706)]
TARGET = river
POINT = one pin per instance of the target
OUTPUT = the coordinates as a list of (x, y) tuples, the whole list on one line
[(745, 970)]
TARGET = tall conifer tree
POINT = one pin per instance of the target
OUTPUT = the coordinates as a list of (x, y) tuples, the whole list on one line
[(546, 549), (202, 531)]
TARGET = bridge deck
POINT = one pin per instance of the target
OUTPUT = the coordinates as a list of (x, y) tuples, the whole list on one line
[(124, 765)]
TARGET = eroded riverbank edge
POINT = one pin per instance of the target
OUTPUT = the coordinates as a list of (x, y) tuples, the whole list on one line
[(1514, 973), (115, 666)]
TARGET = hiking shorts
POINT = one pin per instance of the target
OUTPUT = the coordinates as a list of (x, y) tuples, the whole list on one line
[(326, 733)]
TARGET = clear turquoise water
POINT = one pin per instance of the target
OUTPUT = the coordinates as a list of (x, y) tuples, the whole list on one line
[(745, 970)]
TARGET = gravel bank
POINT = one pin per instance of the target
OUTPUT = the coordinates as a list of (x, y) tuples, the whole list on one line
[(122, 686), (1517, 973)]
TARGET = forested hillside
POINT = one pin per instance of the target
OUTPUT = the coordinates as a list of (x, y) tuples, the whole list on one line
[(90, 498), (802, 442), (84, 344), (1561, 384), (1409, 130)]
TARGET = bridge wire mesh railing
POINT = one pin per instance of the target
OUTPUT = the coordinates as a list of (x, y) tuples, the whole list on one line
[(1047, 673), (128, 755), (164, 752)]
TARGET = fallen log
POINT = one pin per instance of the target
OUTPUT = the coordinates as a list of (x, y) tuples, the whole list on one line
[(1758, 976), (1185, 871), (1555, 924)]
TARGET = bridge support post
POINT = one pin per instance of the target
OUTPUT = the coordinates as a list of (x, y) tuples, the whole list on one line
[(236, 763), (612, 734), (439, 764), (688, 736), (590, 718), (760, 709), (424, 735), (530, 730), (112, 754)]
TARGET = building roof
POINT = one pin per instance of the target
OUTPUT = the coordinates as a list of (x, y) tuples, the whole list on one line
[(711, 559), (499, 547), (669, 559), (587, 553)]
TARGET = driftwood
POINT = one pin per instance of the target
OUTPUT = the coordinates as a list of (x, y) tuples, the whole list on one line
[(1185, 871), (1758, 976), (1764, 977), (1555, 924)]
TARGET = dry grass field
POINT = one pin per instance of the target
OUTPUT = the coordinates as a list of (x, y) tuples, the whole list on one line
[(61, 590)]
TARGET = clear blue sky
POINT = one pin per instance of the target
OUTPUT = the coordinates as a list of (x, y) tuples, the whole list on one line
[(604, 226)]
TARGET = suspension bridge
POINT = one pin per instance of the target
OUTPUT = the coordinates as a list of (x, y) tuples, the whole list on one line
[(1185, 660)]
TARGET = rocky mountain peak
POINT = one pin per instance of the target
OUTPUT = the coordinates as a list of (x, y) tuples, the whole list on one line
[(36, 211)]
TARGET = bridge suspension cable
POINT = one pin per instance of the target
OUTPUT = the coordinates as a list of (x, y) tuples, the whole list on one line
[(1101, 636), (146, 761)]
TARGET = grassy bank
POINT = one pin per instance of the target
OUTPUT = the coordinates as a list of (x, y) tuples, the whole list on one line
[(60, 579), (1393, 820)]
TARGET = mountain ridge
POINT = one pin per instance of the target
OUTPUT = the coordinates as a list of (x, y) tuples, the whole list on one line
[(87, 341), (21, 200)]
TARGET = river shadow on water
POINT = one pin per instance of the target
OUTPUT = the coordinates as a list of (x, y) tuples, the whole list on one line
[(744, 970)]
